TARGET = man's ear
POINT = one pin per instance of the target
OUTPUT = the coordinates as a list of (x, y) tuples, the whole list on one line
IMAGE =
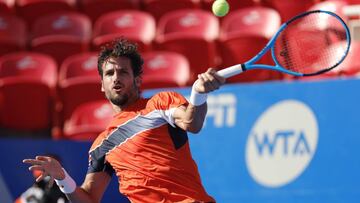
[(102, 86), (138, 81)]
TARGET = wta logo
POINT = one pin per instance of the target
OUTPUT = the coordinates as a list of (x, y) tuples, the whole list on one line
[(282, 143)]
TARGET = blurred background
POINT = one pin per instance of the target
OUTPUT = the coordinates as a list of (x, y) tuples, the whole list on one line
[(268, 137)]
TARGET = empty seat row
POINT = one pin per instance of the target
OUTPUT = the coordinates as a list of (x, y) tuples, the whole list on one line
[(33, 9), (33, 96), (196, 34)]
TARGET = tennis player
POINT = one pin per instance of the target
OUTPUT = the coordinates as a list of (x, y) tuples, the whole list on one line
[(146, 144)]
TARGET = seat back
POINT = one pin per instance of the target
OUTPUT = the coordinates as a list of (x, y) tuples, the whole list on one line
[(192, 33), (7, 6), (79, 65), (290, 8), (136, 26), (335, 6), (61, 35), (27, 86), (244, 33), (158, 8), (79, 82), (96, 8), (164, 69), (28, 65), (234, 4), (350, 67), (31, 10), (88, 120), (13, 34)]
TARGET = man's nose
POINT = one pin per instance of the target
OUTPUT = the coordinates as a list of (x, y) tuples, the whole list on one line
[(116, 77)]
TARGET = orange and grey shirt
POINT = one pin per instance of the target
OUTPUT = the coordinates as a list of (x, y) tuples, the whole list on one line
[(149, 154)]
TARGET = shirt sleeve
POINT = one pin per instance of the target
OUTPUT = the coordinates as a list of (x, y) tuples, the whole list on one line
[(97, 161), (166, 103)]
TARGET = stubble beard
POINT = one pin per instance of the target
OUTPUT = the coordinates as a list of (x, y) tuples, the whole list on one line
[(119, 100), (123, 100)]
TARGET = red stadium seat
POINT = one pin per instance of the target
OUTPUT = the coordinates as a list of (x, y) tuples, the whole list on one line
[(137, 26), (244, 33), (234, 4), (333, 6), (95, 8), (164, 69), (31, 10), (190, 32), (160, 7), (6, 6), (61, 35), (353, 2), (13, 34), (88, 120), (27, 89), (290, 8), (79, 82), (351, 65)]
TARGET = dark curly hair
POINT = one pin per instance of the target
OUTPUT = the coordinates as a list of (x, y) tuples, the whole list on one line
[(121, 47)]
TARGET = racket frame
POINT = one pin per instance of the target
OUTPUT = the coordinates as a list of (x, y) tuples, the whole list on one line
[(239, 68)]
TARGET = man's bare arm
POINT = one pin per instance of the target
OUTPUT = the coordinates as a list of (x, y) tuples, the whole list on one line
[(91, 190), (191, 117)]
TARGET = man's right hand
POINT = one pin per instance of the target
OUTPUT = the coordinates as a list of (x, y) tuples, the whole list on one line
[(49, 167)]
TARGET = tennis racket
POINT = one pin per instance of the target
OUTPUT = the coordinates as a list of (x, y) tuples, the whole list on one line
[(303, 46)]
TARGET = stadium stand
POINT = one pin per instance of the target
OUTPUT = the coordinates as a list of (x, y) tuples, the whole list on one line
[(31, 10), (79, 82), (234, 4), (27, 89), (353, 2), (183, 33), (190, 32), (49, 81), (88, 120), (13, 34), (335, 6), (289, 8), (7, 6), (244, 33), (158, 8), (164, 69), (351, 65), (135, 25), (61, 34), (95, 8)]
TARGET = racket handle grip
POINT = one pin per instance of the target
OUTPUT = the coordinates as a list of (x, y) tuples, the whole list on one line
[(231, 71)]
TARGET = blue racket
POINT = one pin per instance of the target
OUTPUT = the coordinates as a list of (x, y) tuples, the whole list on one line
[(303, 46)]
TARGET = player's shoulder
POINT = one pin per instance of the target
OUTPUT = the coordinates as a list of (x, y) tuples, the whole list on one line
[(166, 95), (166, 100)]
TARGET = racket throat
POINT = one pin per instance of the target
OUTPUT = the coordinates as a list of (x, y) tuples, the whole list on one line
[(243, 67), (231, 71)]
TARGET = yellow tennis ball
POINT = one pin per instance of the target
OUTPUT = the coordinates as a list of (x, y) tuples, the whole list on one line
[(220, 8)]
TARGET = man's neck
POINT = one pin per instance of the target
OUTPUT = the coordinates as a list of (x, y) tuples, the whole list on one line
[(131, 101)]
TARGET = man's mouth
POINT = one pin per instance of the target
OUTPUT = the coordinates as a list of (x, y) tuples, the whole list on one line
[(117, 88)]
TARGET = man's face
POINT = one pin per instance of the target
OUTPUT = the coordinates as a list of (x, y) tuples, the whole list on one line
[(118, 81)]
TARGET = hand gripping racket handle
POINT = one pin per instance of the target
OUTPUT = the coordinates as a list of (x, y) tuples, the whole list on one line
[(231, 71)]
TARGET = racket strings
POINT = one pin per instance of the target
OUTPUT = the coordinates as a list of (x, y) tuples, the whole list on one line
[(305, 45)]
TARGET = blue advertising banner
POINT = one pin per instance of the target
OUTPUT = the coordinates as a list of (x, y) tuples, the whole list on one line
[(269, 142), (281, 142)]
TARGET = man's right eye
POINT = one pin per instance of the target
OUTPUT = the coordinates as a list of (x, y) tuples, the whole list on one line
[(109, 73)]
